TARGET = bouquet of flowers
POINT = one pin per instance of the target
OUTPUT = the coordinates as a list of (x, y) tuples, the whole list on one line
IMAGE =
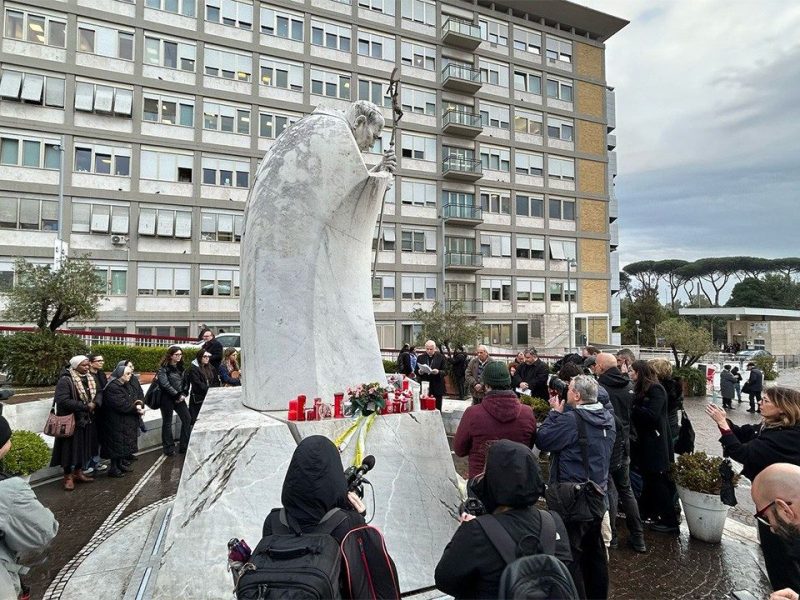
[(365, 398)]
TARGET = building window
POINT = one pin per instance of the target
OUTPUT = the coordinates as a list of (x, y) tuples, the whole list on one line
[(418, 240), (530, 290), (332, 85), (418, 55), (382, 6), (561, 292), (498, 203), (460, 199), (418, 287), (560, 129), (271, 125), (560, 89), (528, 163), (32, 88), (530, 206), (281, 74), (168, 110), (493, 115), (497, 334), (36, 28), (19, 151), (559, 49), (31, 214), (411, 332), (330, 35), (496, 245), (385, 239), (166, 166), (221, 227), (281, 23), (102, 160), (527, 122), (230, 13), (493, 73), (530, 247), (227, 118), (228, 65), (418, 193), (92, 217), (561, 208), (105, 41), (383, 287), (418, 147), (562, 249), (374, 91), (227, 173), (561, 168), (494, 32), (460, 154), (495, 159), (103, 99), (421, 11), (112, 281), (163, 281), (219, 282), (178, 7), (530, 82), (497, 290), (419, 101), (375, 45), (527, 41), (168, 53), (165, 223)]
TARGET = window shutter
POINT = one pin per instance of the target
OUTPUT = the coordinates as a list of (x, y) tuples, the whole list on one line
[(10, 84), (32, 88)]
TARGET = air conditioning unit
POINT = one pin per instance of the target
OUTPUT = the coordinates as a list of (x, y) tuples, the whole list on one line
[(119, 240)]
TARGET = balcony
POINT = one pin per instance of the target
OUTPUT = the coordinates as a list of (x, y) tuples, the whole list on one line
[(462, 169), (462, 214), (463, 261), (461, 78), (461, 34), (459, 122), (470, 307)]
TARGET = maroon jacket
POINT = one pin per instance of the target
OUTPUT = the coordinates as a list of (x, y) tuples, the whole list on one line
[(500, 416)]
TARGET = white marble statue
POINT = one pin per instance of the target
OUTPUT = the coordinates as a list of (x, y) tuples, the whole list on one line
[(306, 294)]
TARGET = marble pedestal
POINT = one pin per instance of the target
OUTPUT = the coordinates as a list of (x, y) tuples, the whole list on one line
[(234, 471)]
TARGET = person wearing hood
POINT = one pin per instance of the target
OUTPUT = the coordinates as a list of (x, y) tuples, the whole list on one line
[(314, 484), (122, 409), (25, 524), (499, 416), (559, 434), (470, 566)]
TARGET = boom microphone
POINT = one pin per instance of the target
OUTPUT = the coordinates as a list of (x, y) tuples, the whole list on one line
[(355, 475)]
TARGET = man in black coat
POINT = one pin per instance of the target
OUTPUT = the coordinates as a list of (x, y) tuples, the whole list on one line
[(620, 394), (434, 371), (755, 384), (533, 375), (213, 347)]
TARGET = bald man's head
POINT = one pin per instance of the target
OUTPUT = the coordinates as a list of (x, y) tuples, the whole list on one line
[(604, 362), (776, 494)]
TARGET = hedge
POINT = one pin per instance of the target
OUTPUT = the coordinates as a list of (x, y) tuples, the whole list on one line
[(144, 358), (37, 357)]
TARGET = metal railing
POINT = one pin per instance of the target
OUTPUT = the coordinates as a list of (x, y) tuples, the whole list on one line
[(455, 116), (92, 338), (458, 164), (463, 259), (461, 27), (461, 72), (470, 306), (462, 211)]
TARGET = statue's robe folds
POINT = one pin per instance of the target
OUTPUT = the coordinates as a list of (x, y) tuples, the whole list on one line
[(306, 293)]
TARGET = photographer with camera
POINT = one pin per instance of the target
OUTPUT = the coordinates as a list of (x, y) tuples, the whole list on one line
[(471, 566)]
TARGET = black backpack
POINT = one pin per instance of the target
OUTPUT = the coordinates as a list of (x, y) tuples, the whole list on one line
[(536, 576), (290, 564), (370, 572)]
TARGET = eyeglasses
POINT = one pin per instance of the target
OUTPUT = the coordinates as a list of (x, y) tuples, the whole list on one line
[(206, 356), (760, 515)]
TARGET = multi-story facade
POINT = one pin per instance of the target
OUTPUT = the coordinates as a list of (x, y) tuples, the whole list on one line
[(162, 109)]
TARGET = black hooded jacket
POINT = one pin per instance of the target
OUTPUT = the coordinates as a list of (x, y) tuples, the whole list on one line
[(621, 395), (470, 566)]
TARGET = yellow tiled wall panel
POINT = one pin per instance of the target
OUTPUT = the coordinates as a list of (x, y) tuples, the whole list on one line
[(593, 256), (594, 296), (590, 99), (591, 137), (598, 330), (593, 215), (591, 177), (588, 60)]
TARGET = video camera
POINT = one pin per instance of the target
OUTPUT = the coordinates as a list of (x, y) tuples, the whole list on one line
[(559, 386), (472, 504), (355, 475)]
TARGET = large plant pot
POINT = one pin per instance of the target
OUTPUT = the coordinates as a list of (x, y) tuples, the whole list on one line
[(705, 515)]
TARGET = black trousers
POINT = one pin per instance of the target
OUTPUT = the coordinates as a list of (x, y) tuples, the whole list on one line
[(657, 501), (755, 399), (589, 566), (167, 439), (783, 571), (619, 489), (194, 410), (438, 401)]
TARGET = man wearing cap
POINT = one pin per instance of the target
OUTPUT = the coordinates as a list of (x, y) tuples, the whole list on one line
[(754, 386), (75, 394), (499, 416), (474, 374), (25, 524)]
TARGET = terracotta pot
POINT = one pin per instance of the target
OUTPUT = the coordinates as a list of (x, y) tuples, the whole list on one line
[(146, 377)]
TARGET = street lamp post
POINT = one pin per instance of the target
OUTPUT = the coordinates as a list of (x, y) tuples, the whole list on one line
[(571, 341), (638, 330), (59, 245)]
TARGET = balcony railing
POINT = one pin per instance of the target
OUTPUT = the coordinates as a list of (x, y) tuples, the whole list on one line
[(461, 72), (467, 212), (462, 168), (465, 28), (470, 307), (454, 116), (463, 259)]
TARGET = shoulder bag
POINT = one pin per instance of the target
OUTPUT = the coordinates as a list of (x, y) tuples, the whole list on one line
[(59, 427), (153, 396)]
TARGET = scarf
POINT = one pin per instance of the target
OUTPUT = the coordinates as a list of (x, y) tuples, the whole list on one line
[(82, 393)]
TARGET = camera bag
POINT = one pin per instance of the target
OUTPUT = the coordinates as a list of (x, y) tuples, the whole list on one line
[(369, 570)]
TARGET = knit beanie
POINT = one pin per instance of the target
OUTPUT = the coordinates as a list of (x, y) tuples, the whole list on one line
[(496, 375), (5, 431), (76, 360)]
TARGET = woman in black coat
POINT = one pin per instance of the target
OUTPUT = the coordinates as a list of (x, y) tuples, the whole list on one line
[(174, 393), (653, 448), (775, 440), (121, 411), (201, 377)]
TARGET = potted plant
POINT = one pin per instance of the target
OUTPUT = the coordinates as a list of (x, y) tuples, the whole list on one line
[(28, 454), (699, 484)]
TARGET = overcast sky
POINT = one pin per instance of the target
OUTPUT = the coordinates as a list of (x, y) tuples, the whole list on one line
[(708, 127)]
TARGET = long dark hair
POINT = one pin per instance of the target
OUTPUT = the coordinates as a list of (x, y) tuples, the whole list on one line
[(167, 360), (645, 377)]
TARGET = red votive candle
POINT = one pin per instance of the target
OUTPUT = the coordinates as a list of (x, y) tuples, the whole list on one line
[(405, 384), (311, 414), (292, 416), (337, 405), (293, 406)]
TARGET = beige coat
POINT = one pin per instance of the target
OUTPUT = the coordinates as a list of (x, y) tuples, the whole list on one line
[(471, 377)]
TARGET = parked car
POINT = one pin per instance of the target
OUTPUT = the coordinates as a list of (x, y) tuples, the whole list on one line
[(228, 340), (746, 355)]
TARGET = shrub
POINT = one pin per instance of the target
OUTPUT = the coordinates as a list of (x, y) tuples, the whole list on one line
[(766, 364), (389, 366), (541, 408), (28, 454), (37, 358), (699, 472), (694, 379), (144, 358)]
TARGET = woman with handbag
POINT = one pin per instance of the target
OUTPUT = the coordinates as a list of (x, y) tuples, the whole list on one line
[(201, 377), (75, 397), (174, 393), (229, 373), (775, 440)]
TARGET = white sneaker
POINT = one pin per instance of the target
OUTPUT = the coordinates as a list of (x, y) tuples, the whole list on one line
[(88, 471), (101, 468)]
